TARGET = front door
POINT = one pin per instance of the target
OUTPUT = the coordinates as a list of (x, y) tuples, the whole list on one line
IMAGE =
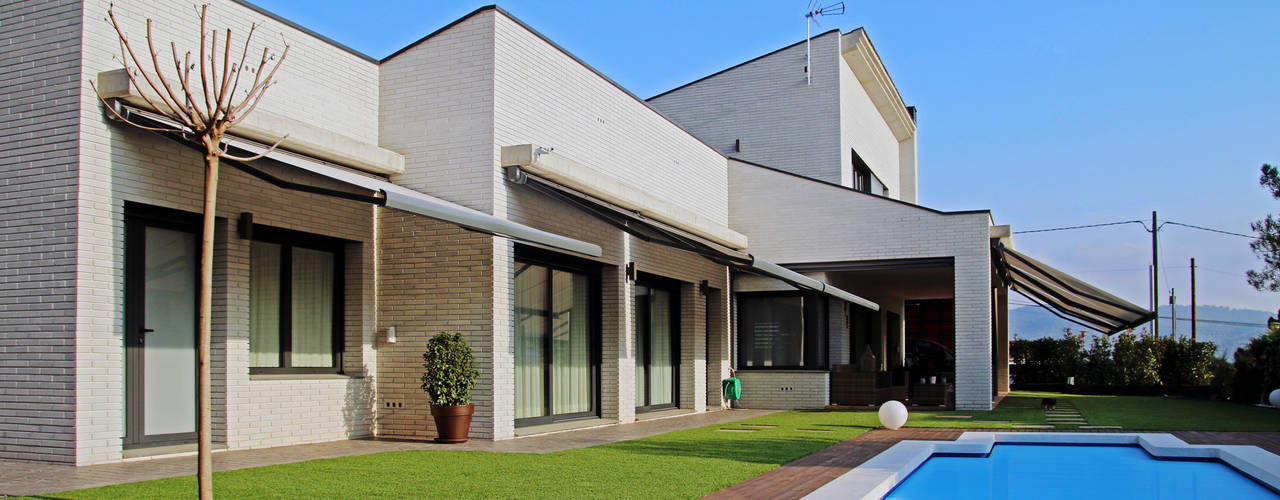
[(161, 286), (656, 344)]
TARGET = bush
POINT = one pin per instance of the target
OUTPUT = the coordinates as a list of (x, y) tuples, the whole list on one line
[(1127, 363), (1135, 359), (1186, 363), (450, 371), (1257, 368), (1046, 360), (1099, 367)]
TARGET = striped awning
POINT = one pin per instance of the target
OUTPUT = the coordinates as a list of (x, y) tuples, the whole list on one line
[(1065, 295)]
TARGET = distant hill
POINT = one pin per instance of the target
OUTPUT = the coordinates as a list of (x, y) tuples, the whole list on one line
[(1031, 322)]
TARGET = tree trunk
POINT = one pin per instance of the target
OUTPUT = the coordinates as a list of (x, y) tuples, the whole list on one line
[(204, 427)]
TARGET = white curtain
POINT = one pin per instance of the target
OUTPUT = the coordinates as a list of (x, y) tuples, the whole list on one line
[(312, 291), (530, 331), (264, 304), (661, 365), (570, 337)]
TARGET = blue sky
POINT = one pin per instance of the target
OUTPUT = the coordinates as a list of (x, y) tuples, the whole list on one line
[(1049, 114)]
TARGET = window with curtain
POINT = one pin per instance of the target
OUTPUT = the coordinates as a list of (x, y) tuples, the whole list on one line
[(782, 331), (295, 285), (553, 340)]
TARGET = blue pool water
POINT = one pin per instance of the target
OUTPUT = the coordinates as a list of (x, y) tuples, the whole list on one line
[(1016, 471)]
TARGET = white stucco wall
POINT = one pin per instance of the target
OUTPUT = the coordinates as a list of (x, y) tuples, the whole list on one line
[(863, 128)]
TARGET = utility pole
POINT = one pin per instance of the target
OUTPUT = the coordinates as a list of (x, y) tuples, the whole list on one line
[(1155, 275), (1151, 291), (1193, 300), (1173, 311)]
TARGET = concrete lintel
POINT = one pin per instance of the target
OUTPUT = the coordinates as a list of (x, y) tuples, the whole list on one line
[(267, 127)]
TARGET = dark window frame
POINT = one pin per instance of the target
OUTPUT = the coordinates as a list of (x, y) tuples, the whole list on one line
[(808, 300), (673, 287), (554, 261), (861, 173), (288, 239)]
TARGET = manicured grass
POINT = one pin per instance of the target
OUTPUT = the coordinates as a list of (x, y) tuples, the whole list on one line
[(682, 464), (1164, 414)]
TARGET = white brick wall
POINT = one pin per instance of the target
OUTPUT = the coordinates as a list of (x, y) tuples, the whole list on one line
[(320, 84), (543, 96), (770, 208), (782, 122)]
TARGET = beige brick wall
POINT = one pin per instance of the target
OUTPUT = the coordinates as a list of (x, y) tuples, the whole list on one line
[(784, 389), (432, 277)]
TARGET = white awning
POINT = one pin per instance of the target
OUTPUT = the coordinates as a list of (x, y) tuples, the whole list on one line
[(393, 196), (654, 231)]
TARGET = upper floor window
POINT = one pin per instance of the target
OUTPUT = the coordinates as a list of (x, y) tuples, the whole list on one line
[(861, 173), (295, 303)]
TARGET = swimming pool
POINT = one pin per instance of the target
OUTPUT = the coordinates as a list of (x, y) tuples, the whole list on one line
[(1071, 472), (1000, 465)]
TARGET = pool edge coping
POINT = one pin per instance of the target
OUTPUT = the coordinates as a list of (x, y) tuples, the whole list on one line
[(878, 476)]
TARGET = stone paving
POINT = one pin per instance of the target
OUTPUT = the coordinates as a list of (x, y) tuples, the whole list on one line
[(27, 478)]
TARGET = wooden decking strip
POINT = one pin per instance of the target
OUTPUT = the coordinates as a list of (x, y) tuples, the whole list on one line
[(801, 477)]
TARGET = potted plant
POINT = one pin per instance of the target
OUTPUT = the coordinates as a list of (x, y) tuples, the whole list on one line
[(448, 378)]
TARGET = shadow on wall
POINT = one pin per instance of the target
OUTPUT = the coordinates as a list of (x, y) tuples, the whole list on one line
[(357, 406)]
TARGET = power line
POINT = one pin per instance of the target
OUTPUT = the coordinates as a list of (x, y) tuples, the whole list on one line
[(1210, 229), (1079, 227), (1143, 224)]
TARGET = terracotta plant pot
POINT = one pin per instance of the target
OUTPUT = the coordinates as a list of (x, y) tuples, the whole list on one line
[(453, 423)]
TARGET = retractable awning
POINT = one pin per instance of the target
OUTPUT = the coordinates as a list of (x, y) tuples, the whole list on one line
[(651, 230), (386, 193), (1065, 295)]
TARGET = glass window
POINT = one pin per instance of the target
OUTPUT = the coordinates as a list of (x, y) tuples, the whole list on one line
[(782, 331), (294, 316), (554, 367)]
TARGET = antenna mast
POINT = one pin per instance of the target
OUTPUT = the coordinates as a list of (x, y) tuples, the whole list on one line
[(811, 18)]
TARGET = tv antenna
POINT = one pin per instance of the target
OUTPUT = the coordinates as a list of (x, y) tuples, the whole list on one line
[(811, 18)]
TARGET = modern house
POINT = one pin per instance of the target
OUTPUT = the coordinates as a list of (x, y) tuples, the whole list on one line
[(595, 249)]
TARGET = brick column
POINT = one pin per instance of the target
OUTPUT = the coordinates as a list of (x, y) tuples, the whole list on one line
[(693, 354), (973, 328)]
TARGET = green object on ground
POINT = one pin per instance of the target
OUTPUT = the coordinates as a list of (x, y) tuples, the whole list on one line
[(732, 388)]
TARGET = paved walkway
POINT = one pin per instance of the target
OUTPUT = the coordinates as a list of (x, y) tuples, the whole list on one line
[(24, 478), (799, 478)]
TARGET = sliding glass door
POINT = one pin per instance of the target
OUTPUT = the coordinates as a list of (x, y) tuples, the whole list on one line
[(555, 343), (656, 345)]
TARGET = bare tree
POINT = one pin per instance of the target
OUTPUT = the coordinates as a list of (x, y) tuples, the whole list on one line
[(206, 109)]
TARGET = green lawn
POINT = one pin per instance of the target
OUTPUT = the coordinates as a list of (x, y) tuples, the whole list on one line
[(1163, 414), (682, 464)]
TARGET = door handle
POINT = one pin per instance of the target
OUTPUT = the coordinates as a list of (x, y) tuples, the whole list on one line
[(142, 335)]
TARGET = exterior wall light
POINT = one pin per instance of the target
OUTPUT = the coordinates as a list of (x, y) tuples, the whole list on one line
[(391, 334)]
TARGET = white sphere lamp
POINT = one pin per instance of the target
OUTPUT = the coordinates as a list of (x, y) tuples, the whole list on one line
[(1274, 398), (893, 415)]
